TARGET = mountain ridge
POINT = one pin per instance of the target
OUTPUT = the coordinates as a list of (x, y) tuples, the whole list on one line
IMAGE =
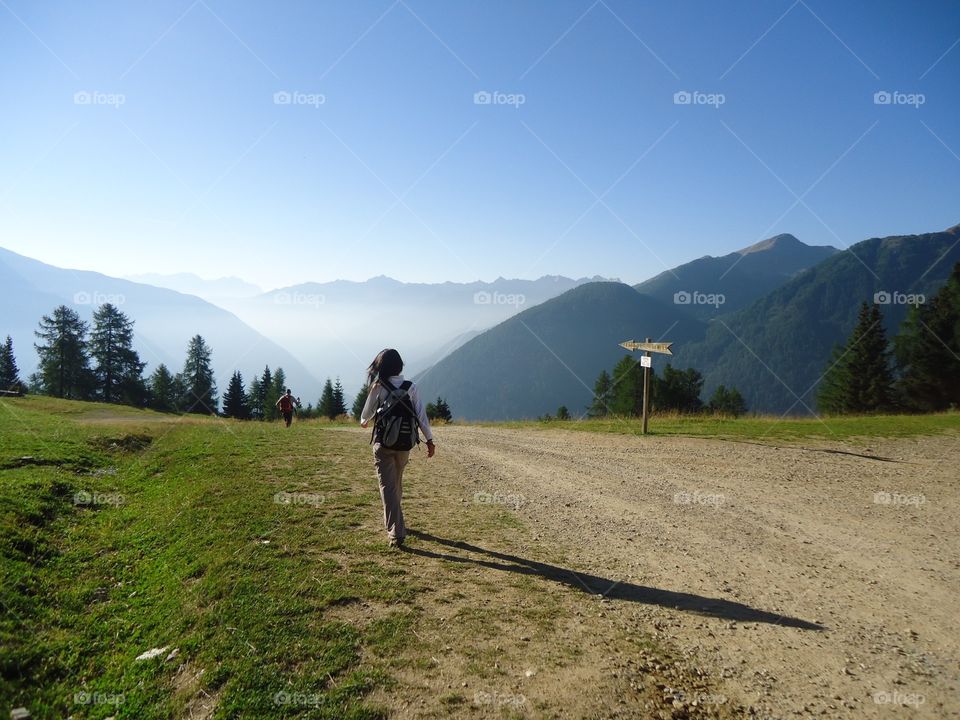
[(783, 338), (164, 320), (714, 285)]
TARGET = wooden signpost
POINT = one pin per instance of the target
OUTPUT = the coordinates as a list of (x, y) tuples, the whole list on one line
[(647, 362)]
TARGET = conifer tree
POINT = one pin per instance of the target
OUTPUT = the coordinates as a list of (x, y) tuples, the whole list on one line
[(626, 392), (235, 401), (64, 361), (439, 410), (601, 396), (278, 387), (201, 389), (727, 402), (325, 407), (928, 351), (269, 401), (859, 378), (256, 398), (360, 400), (9, 372), (118, 372), (339, 403), (677, 390), (163, 391)]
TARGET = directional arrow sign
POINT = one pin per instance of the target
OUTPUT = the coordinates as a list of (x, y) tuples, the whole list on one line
[(657, 347)]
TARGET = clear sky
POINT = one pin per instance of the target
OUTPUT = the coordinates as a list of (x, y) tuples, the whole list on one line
[(149, 136)]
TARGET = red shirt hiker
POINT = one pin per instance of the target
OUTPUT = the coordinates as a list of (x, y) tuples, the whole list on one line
[(287, 404)]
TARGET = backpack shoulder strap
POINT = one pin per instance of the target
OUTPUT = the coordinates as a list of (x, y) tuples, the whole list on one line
[(405, 387), (395, 395)]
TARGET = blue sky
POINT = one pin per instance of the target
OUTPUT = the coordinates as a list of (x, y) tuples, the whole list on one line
[(149, 137)]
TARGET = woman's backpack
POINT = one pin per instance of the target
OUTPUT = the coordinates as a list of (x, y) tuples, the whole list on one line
[(396, 426)]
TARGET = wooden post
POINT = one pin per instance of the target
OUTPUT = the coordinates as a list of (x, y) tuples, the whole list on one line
[(647, 347), (646, 391)]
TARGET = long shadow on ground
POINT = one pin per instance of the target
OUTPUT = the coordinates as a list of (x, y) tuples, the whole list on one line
[(614, 589)]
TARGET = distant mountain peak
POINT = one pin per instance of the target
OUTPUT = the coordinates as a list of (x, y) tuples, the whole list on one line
[(783, 240)]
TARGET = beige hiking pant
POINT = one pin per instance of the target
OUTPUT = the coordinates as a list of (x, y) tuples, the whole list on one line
[(389, 464)]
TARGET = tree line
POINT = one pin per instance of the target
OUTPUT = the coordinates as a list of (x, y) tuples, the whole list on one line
[(259, 402), (96, 361), (438, 410), (621, 392), (918, 372)]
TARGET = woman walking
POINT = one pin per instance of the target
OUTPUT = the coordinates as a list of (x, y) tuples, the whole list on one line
[(397, 412)]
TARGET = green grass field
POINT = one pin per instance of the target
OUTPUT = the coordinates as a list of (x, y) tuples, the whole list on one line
[(254, 553), (124, 531), (762, 427)]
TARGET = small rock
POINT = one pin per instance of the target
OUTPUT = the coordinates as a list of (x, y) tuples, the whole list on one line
[(530, 673), (150, 654)]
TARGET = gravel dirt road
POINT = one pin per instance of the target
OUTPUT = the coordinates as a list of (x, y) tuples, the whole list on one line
[(813, 580)]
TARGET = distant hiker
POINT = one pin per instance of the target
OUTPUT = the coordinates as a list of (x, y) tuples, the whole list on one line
[(287, 404), (397, 412)]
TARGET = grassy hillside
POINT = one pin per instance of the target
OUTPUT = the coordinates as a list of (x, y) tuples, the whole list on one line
[(776, 349), (551, 354), (125, 531), (773, 350)]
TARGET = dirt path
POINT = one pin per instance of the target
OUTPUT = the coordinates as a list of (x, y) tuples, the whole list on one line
[(777, 568)]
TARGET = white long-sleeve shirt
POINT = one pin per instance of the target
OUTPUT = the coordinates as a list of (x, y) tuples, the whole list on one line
[(378, 394)]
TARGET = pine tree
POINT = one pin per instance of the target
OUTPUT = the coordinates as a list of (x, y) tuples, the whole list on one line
[(677, 390), (269, 400), (201, 389), (859, 378), (326, 407), (179, 392), (35, 384), (359, 401), (832, 393), (118, 371), (163, 393), (563, 413), (928, 351), (9, 372), (236, 404), (626, 391), (256, 398), (443, 410), (339, 403), (278, 387), (64, 362), (439, 410), (727, 402), (601, 396)]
